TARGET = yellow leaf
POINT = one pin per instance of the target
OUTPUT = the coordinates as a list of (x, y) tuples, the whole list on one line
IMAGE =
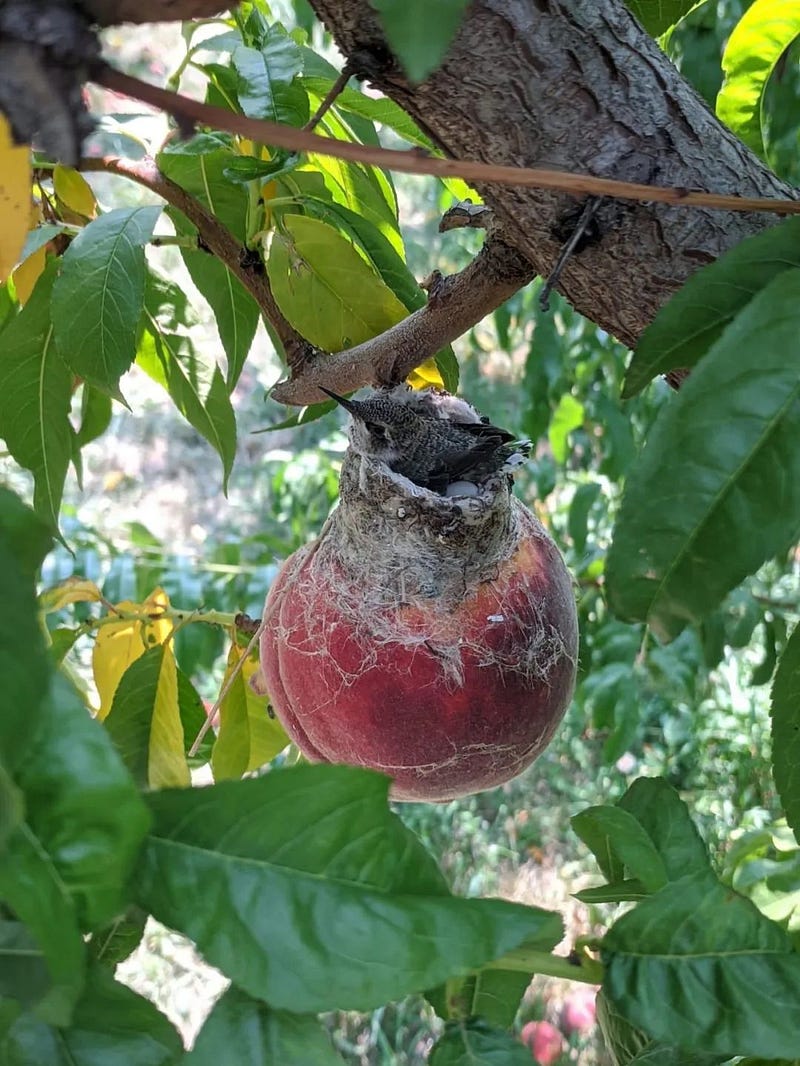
[(71, 590), (248, 738), (425, 376), (325, 288), (28, 273), (15, 199), (267, 735), (248, 147), (166, 763), (120, 643), (74, 190)]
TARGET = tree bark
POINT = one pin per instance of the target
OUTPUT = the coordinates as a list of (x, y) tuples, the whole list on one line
[(576, 85)]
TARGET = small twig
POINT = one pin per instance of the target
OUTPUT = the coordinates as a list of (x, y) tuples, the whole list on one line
[(586, 216), (204, 728), (466, 214), (415, 162), (335, 90)]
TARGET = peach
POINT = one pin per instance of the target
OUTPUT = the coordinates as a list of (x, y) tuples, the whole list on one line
[(430, 637), (545, 1042)]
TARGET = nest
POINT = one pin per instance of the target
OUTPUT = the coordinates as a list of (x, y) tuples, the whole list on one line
[(401, 565)]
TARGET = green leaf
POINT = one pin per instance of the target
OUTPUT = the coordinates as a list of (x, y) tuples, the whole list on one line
[(721, 466), (38, 238), (24, 662), (620, 843), (618, 892), (325, 288), (420, 34), (248, 737), (198, 390), (119, 939), (379, 250), (649, 833), (348, 887), (694, 319), (35, 391), (768, 1062), (364, 190), (658, 16), (266, 86), (567, 416), (40, 859), (262, 1036), (759, 39), (145, 723), (12, 807), (45, 962), (474, 1043), (81, 805), (629, 1046), (786, 730), (235, 311), (61, 641), (193, 718), (98, 296), (381, 110), (111, 1026), (95, 415), (496, 995), (578, 521), (198, 166), (24, 977), (699, 966), (665, 818), (492, 993)]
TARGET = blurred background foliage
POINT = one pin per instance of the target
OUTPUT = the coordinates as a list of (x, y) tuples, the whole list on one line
[(152, 513)]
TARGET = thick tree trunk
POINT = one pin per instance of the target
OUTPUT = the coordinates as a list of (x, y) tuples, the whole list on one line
[(577, 85)]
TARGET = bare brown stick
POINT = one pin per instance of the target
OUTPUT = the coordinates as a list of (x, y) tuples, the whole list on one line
[(460, 302), (237, 669), (418, 162), (247, 267), (588, 213), (330, 98)]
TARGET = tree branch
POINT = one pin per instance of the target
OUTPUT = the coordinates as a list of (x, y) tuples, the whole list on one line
[(242, 263), (579, 87), (418, 162), (455, 305)]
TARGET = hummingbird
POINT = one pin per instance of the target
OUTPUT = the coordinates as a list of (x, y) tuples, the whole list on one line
[(433, 439)]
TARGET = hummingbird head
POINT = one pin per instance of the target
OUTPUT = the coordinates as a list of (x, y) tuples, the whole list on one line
[(381, 427)]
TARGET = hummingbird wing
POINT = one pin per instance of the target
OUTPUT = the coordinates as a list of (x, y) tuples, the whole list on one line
[(487, 455), (481, 430)]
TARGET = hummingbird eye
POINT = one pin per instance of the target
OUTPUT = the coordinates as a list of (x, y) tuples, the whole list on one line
[(378, 432)]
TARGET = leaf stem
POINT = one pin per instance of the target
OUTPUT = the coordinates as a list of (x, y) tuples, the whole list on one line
[(173, 614), (525, 960), (176, 241), (204, 728)]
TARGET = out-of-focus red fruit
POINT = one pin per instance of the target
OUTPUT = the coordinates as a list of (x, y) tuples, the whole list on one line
[(578, 1012), (431, 637), (545, 1042)]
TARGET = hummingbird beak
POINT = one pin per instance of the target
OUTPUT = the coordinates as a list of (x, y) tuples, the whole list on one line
[(349, 405)]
